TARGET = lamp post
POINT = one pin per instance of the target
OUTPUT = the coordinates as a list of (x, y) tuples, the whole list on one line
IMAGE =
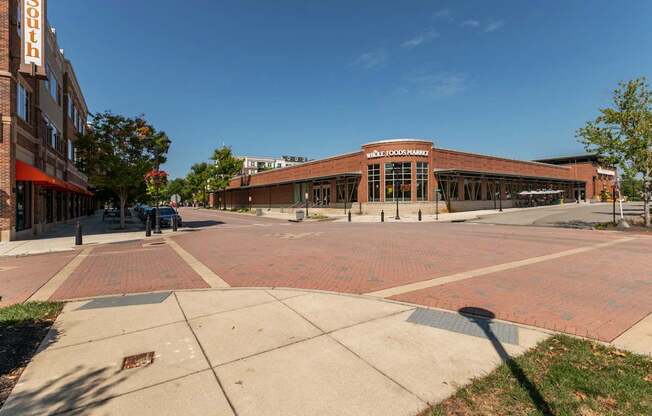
[(500, 195), (394, 193), (306, 198)]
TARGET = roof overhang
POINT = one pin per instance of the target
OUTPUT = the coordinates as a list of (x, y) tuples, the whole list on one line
[(310, 179), (501, 175)]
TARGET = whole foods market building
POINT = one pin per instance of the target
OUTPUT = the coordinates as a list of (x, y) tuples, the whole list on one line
[(418, 175)]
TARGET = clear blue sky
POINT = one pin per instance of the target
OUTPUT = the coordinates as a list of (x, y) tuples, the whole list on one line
[(318, 78)]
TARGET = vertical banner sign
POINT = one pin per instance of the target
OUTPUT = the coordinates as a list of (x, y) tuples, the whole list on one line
[(34, 25)]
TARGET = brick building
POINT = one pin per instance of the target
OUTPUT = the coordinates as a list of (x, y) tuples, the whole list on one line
[(418, 175), (42, 114)]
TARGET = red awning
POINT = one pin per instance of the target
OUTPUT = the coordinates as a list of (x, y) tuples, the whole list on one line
[(27, 172)]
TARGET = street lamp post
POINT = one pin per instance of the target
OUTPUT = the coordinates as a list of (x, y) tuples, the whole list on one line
[(397, 217), (306, 198), (500, 195)]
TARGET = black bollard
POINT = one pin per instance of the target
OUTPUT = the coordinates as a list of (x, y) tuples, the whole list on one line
[(78, 234), (148, 227), (419, 214), (349, 216), (382, 216), (174, 223)]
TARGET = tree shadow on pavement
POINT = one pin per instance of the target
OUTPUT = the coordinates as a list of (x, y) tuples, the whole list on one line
[(201, 224), (482, 318), (78, 392)]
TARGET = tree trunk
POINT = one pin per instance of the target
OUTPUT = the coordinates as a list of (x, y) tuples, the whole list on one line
[(123, 203)]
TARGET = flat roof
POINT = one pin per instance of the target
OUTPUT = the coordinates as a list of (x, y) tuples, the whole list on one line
[(586, 157)]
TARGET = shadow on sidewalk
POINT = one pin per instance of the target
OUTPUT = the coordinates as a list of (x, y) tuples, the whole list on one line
[(483, 317)]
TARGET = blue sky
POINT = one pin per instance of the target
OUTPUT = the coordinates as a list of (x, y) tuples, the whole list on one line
[(318, 78)]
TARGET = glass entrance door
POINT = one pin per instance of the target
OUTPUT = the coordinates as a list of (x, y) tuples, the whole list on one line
[(321, 195)]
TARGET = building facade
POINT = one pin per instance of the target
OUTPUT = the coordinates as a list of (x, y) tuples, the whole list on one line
[(252, 164), (418, 175), (43, 112)]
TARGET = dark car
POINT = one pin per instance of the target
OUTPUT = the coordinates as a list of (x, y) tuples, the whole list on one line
[(165, 216)]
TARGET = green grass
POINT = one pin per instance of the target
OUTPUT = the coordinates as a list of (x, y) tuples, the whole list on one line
[(571, 376), (22, 328), (26, 312)]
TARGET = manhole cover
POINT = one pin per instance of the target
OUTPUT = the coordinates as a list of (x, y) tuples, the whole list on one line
[(156, 243), (138, 360)]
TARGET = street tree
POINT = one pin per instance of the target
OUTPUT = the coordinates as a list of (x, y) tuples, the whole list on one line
[(198, 180), (177, 186), (117, 151), (226, 166), (622, 134)]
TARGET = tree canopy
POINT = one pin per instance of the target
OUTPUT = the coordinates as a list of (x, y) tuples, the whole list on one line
[(117, 151), (622, 134)]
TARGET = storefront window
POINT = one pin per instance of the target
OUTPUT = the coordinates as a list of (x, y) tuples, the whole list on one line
[(472, 189), (422, 181), (373, 184), (448, 186), (347, 190), (398, 181), (49, 206), (491, 191), (23, 205)]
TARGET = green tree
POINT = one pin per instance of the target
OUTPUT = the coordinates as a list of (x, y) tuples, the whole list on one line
[(631, 186), (198, 180), (178, 186), (117, 151), (226, 167), (622, 134)]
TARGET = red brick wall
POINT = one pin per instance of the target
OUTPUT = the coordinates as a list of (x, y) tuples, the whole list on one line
[(7, 108)]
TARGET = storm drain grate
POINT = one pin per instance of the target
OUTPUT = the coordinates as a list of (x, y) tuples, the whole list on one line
[(129, 300), (138, 360), (476, 327)]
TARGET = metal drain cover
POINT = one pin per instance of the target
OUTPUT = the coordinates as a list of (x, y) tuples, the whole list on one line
[(138, 360)]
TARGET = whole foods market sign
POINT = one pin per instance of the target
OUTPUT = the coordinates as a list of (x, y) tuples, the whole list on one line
[(396, 153), (33, 26)]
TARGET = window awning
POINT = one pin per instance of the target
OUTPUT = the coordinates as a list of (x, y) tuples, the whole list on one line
[(27, 172)]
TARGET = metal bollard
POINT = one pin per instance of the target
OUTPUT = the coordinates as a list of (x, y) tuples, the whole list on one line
[(174, 223), (419, 214), (382, 216), (148, 227), (349, 216), (78, 234)]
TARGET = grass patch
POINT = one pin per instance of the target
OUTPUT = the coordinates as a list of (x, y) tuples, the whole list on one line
[(22, 328), (572, 376)]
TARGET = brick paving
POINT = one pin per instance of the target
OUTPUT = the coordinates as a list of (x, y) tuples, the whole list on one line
[(598, 297), (136, 266), (21, 276), (599, 293), (361, 258)]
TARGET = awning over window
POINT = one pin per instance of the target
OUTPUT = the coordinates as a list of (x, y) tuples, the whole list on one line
[(27, 172)]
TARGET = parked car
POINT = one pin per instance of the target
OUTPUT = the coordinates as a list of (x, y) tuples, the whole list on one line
[(143, 211), (166, 214)]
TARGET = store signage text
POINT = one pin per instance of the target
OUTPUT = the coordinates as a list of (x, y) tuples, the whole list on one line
[(33, 34), (398, 152)]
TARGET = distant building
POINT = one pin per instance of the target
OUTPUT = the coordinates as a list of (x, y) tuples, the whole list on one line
[(254, 164)]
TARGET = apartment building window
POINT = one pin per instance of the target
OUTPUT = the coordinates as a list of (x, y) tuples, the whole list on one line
[(52, 135), (19, 20), (53, 85), (71, 150), (24, 102), (373, 182), (422, 181)]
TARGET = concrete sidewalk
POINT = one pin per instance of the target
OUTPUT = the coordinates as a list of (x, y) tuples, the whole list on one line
[(255, 352), (62, 237)]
